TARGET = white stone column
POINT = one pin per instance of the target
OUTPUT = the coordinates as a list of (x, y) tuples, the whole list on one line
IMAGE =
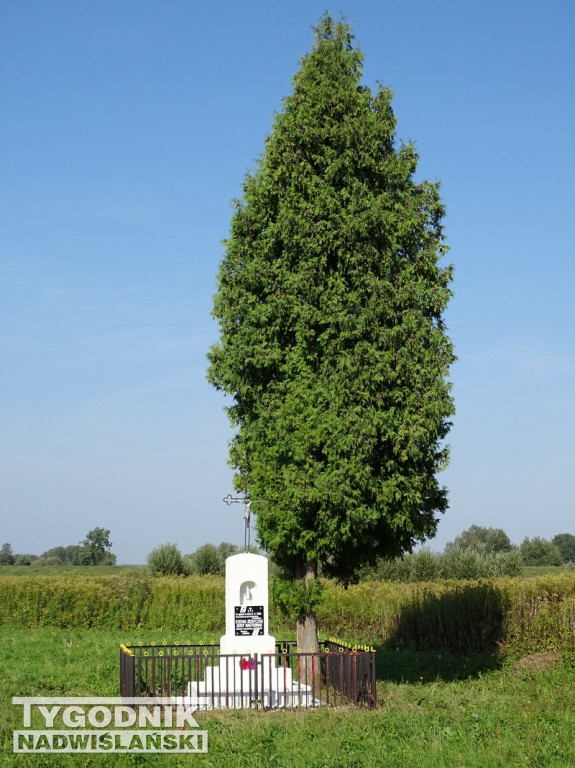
[(247, 603)]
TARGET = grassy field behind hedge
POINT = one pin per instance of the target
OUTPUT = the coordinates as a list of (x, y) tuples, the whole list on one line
[(513, 616)]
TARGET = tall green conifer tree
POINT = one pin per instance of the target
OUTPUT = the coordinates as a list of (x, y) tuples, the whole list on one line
[(330, 300)]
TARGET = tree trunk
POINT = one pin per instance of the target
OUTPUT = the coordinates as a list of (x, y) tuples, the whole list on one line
[(306, 629)]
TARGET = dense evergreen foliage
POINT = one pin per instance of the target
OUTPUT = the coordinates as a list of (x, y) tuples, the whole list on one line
[(330, 301)]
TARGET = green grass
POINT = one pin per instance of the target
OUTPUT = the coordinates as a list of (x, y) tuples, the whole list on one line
[(68, 569), (529, 571), (435, 709)]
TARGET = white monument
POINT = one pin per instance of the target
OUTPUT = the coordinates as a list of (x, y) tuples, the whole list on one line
[(248, 671), (247, 605)]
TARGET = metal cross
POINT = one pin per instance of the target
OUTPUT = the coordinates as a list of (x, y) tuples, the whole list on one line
[(229, 499)]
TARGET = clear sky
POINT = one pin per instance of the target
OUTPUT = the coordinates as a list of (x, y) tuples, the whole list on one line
[(127, 128)]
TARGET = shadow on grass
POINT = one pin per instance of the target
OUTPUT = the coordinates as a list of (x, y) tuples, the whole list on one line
[(407, 666), (449, 636)]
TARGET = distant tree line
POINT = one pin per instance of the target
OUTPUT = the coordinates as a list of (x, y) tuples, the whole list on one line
[(477, 553), (560, 550), (93, 550)]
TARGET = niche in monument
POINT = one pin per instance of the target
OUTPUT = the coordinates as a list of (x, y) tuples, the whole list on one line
[(249, 618)]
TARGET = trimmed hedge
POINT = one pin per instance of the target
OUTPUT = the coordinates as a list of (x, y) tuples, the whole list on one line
[(513, 616)]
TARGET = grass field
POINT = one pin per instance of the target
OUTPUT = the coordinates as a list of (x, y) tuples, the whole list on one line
[(106, 570), (434, 710), (68, 569)]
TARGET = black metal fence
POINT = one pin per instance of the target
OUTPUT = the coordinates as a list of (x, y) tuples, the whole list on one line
[(204, 678)]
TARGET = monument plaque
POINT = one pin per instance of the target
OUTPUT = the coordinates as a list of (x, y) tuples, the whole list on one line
[(249, 620)]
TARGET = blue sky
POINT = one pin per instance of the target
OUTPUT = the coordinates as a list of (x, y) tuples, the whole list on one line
[(127, 130)]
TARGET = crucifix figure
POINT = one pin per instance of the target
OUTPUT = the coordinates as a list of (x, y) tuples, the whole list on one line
[(229, 499)]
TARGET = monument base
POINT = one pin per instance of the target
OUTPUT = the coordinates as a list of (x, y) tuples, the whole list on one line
[(241, 682)]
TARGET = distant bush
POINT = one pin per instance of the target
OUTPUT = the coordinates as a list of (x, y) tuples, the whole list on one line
[(486, 541), (454, 564), (94, 550), (6, 554), (209, 559), (47, 561), (24, 559), (166, 560), (206, 560), (539, 551), (565, 542), (69, 554), (467, 564)]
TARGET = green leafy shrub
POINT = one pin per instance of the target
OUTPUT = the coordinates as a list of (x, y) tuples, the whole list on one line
[(538, 551), (488, 541), (511, 616), (456, 563), (471, 564), (24, 559), (206, 560), (6, 554), (565, 542), (40, 562), (166, 560), (209, 559)]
